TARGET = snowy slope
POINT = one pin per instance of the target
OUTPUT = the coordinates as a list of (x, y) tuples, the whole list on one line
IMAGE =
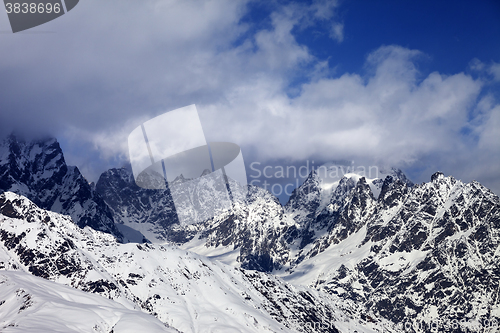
[(31, 304), (184, 290)]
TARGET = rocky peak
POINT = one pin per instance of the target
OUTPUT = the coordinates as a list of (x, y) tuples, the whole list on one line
[(346, 184), (399, 175), (38, 164), (307, 194), (205, 172), (37, 170), (362, 188), (436, 176), (392, 192), (179, 180)]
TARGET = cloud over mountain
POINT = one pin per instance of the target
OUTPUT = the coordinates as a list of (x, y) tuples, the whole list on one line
[(112, 65)]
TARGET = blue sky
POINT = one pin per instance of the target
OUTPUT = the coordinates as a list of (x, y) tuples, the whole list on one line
[(396, 83), (451, 33)]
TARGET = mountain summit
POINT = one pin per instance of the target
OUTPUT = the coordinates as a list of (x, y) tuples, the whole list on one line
[(37, 170), (376, 253)]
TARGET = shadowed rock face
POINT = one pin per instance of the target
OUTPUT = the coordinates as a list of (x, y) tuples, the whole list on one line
[(38, 171), (132, 205)]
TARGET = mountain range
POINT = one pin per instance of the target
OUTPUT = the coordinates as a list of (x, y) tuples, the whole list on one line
[(344, 254)]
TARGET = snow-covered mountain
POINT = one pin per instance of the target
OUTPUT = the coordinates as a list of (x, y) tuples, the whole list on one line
[(425, 255), (183, 290), (37, 170), (256, 233), (31, 304), (327, 209), (366, 254), (389, 249), (244, 234)]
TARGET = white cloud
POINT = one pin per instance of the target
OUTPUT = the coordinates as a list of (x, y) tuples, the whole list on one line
[(392, 116), (495, 71), (387, 116), (337, 32), (112, 65), (324, 11), (492, 70), (487, 127)]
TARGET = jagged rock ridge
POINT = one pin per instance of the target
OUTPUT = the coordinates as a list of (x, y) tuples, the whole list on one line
[(37, 170), (384, 250)]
